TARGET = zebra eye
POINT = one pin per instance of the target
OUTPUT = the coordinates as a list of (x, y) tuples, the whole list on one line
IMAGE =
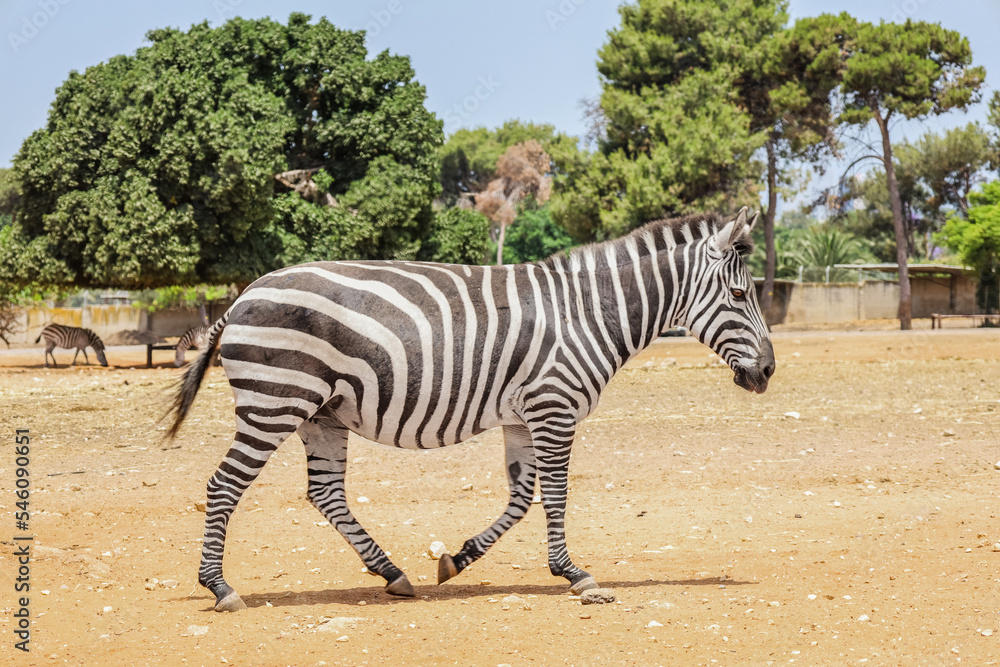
[(738, 294)]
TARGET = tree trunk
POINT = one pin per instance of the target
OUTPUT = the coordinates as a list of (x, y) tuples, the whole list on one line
[(770, 260), (905, 297), (503, 230)]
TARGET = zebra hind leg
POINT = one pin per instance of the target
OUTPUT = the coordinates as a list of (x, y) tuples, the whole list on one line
[(553, 442), (326, 456), (48, 353), (254, 443), (520, 463)]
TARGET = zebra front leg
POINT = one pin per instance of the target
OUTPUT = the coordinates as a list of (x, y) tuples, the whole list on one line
[(552, 451), (520, 462), (326, 457), (253, 445)]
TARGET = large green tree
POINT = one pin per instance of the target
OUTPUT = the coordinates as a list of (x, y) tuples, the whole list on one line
[(678, 133), (908, 70), (976, 239), (10, 197), (160, 167), (951, 165), (788, 92)]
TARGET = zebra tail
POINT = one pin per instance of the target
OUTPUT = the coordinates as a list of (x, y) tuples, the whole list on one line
[(193, 376), (37, 340)]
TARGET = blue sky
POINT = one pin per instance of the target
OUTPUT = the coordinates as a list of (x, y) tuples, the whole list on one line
[(481, 62)]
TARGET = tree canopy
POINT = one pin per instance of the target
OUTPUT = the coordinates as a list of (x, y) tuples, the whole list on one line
[(469, 157), (976, 238), (159, 168), (911, 70), (678, 133)]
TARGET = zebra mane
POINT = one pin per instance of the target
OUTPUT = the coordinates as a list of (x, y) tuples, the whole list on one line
[(693, 226)]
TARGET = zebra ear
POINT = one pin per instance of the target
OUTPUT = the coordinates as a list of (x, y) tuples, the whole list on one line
[(726, 237), (753, 222)]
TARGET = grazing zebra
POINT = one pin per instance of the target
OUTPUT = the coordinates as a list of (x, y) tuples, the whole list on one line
[(57, 335), (192, 338), (421, 355)]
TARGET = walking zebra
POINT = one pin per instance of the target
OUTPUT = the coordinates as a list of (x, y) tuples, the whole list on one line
[(425, 355), (192, 338), (57, 335)]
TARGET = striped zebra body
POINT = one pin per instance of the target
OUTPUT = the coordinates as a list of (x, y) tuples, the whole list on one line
[(58, 335), (192, 338), (421, 355)]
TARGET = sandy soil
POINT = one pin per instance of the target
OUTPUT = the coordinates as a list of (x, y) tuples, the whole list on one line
[(862, 530)]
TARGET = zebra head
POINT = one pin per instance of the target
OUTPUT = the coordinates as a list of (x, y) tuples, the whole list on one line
[(724, 313), (98, 346)]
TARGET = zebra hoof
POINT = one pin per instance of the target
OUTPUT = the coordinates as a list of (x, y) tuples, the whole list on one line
[(446, 568), (401, 586), (231, 602), (584, 584)]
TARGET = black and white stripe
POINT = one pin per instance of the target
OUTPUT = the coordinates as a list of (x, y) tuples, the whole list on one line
[(193, 338), (425, 355), (58, 335)]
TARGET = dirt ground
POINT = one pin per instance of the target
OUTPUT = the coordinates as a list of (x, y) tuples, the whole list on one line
[(847, 516)]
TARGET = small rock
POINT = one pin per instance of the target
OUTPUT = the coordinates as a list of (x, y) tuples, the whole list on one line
[(584, 616), (516, 601), (195, 630), (774, 603), (201, 506), (654, 624), (467, 487), (862, 618), (437, 549), (792, 415), (597, 596), (987, 633), (996, 466), (339, 624), (149, 585), (149, 482), (107, 609), (169, 583), (538, 499), (948, 433), (342, 638), (361, 499)]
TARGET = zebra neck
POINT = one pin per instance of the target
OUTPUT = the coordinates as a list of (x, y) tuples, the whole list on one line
[(625, 299)]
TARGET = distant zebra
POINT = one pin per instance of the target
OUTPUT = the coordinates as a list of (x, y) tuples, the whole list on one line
[(57, 335), (425, 355), (192, 338)]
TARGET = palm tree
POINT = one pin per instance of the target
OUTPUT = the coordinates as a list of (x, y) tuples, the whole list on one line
[(821, 246)]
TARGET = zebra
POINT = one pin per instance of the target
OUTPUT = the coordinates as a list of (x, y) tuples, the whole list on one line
[(192, 338), (420, 355), (58, 335)]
